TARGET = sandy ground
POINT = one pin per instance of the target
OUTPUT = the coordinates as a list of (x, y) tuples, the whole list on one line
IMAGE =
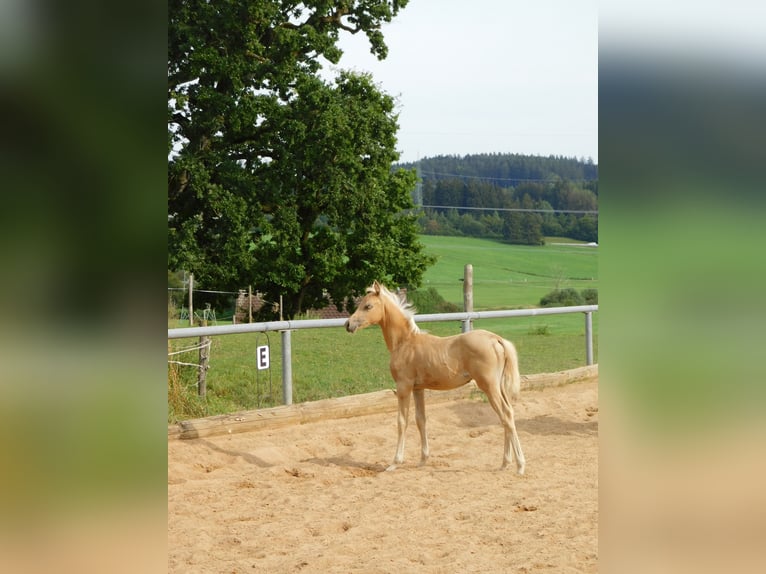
[(315, 497)]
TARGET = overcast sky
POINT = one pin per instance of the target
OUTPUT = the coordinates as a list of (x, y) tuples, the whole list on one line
[(508, 76)]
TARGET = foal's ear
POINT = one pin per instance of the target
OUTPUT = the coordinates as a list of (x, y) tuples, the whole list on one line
[(376, 287)]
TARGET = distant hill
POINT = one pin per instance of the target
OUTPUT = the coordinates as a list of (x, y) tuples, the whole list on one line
[(517, 198), (506, 169)]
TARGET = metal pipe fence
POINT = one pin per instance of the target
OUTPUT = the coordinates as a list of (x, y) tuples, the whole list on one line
[(285, 327)]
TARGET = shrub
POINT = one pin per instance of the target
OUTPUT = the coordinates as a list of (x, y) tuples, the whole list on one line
[(562, 298), (590, 296), (430, 301)]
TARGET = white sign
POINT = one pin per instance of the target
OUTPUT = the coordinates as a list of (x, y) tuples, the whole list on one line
[(262, 353)]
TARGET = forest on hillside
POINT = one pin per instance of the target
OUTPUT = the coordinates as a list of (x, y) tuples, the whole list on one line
[(516, 198)]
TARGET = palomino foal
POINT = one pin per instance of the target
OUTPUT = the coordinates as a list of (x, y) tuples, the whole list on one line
[(421, 361)]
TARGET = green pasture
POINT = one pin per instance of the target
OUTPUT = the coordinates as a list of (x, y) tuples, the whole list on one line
[(330, 362), (508, 276)]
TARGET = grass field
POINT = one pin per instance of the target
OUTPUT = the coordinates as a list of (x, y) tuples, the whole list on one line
[(508, 276), (330, 362)]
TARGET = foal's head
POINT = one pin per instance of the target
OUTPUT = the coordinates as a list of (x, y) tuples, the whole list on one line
[(371, 309)]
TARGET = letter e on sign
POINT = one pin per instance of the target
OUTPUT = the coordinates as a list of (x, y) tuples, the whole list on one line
[(263, 357)]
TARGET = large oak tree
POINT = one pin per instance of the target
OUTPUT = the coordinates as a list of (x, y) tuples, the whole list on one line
[(278, 177)]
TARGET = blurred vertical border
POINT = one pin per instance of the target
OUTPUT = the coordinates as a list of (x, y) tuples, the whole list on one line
[(682, 150), (82, 235)]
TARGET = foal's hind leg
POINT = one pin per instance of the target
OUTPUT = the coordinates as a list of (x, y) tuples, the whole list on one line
[(504, 410), (420, 418), (403, 396)]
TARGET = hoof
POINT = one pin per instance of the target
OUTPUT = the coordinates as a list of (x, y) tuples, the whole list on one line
[(519, 469), (391, 467)]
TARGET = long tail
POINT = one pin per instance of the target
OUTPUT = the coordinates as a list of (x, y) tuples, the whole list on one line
[(511, 378)]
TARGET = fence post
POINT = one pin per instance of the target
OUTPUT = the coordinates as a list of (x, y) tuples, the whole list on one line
[(588, 338), (249, 303), (467, 296), (204, 357), (287, 369), (191, 288)]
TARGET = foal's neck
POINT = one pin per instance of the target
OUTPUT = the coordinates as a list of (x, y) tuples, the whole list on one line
[(395, 326)]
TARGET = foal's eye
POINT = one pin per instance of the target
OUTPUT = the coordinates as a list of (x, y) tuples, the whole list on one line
[(368, 306)]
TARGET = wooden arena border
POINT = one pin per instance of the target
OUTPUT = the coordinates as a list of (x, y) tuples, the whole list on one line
[(350, 406)]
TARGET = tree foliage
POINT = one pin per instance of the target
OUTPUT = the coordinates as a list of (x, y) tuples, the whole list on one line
[(512, 168), (277, 177), (569, 297)]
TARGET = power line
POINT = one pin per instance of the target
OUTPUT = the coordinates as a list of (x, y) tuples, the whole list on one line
[(519, 209)]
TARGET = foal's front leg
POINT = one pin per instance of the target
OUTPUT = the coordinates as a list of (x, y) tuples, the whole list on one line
[(403, 394), (420, 418)]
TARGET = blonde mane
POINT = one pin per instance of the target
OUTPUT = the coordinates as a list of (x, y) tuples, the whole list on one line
[(406, 307)]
